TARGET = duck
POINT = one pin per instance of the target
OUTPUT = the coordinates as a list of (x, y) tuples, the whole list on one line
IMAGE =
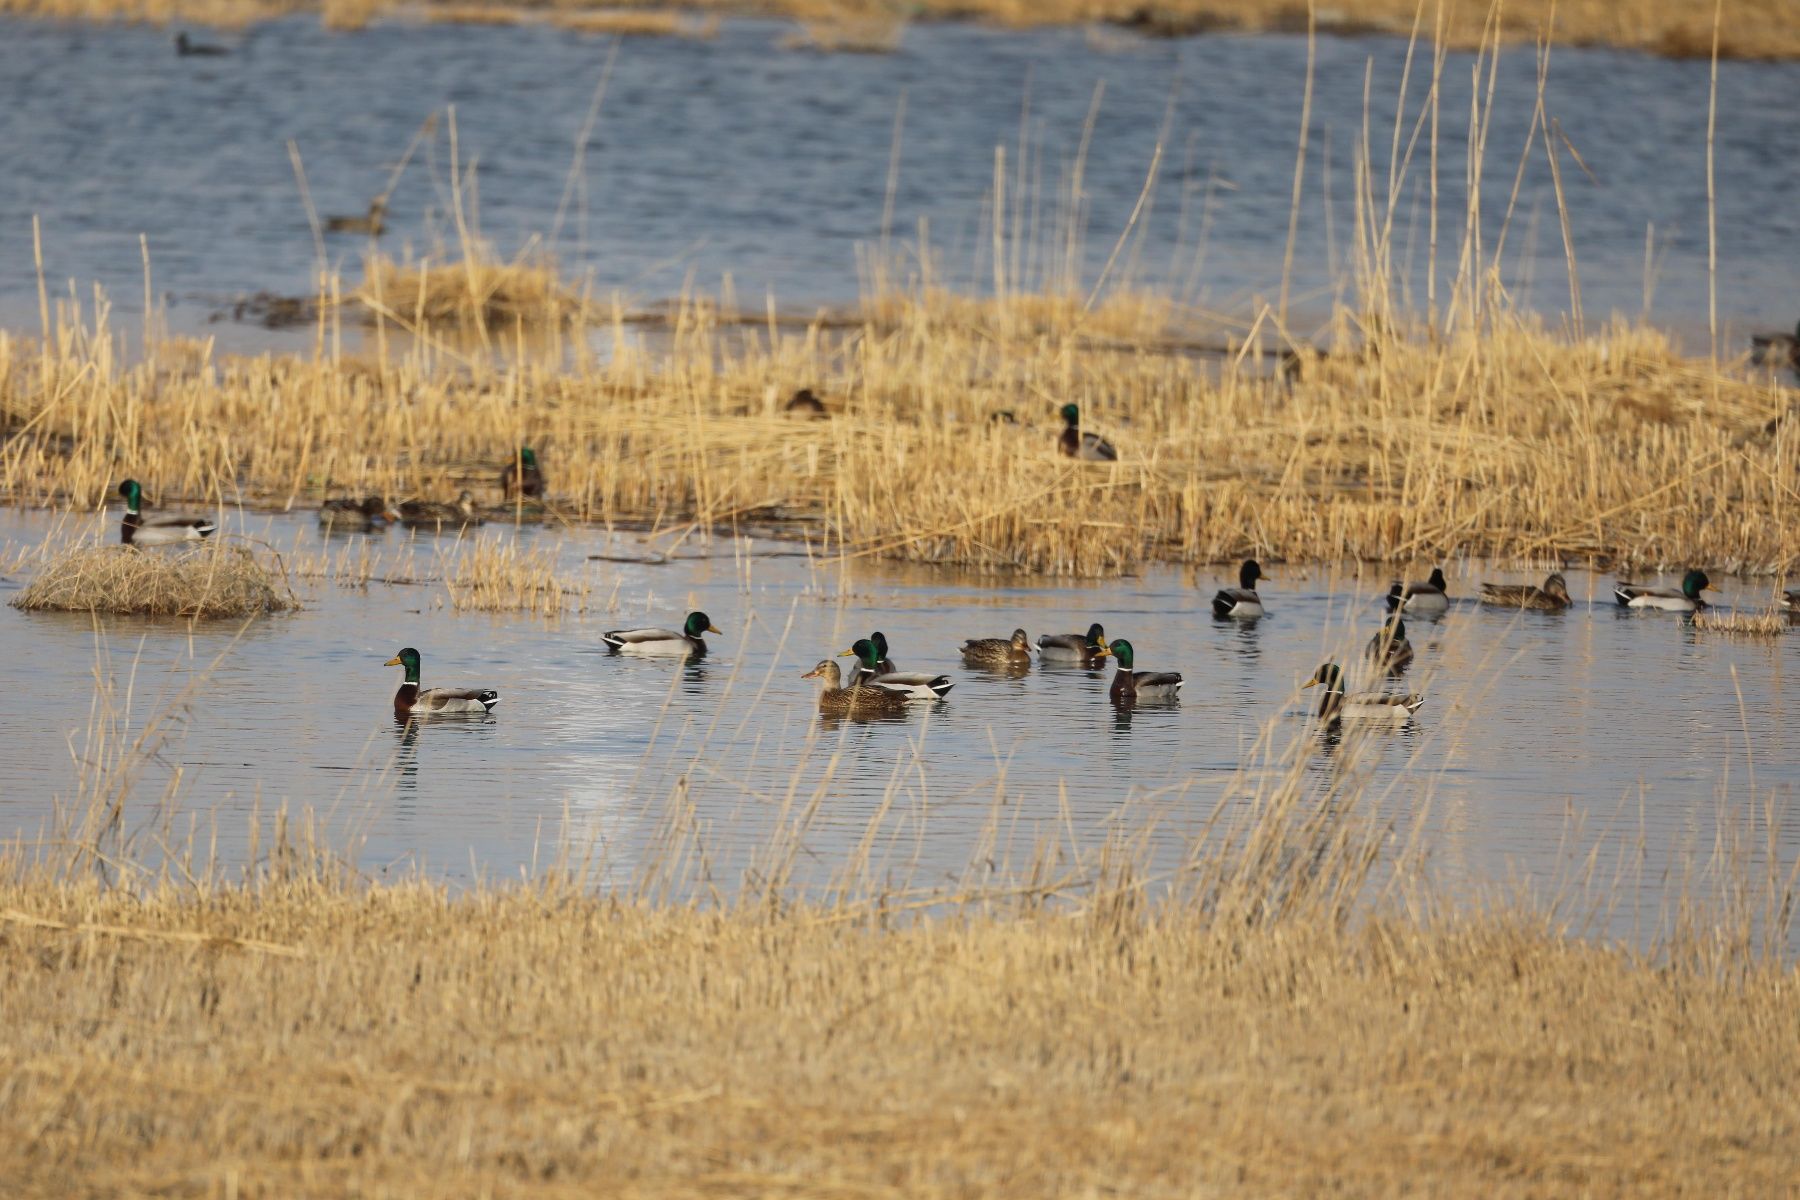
[(1776, 351), (1552, 597), (419, 514), (1335, 706), (162, 530), (1686, 598), (1088, 447), (1790, 600), (1432, 596), (883, 665), (916, 686), (409, 701), (186, 47), (999, 652), (804, 403), (1241, 601), (522, 476), (373, 223), (663, 642), (1129, 685), (1085, 649), (1389, 648), (857, 700), (346, 515)]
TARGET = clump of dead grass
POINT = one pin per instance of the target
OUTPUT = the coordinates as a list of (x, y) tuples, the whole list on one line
[(500, 575), (477, 291), (1768, 624), (636, 23), (209, 581), (847, 36)]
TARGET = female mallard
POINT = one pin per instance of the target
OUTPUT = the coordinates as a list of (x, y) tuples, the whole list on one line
[(1776, 350), (434, 514), (1432, 596), (409, 701), (1552, 597), (345, 515), (374, 223), (1334, 705), (999, 652), (1389, 648), (665, 642), (1087, 650), (1686, 598), (1088, 447), (165, 530), (1129, 685), (916, 686), (521, 476), (857, 700), (1241, 601)]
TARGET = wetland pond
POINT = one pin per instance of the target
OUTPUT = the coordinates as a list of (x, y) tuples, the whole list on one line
[(729, 158), (1545, 736)]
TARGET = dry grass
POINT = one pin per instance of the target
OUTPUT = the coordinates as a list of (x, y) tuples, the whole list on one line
[(630, 23), (1770, 624), (209, 581), (499, 575), (1752, 29), (875, 36), (476, 292)]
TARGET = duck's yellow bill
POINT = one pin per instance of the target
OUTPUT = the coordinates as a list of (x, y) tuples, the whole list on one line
[(394, 662), (715, 629), (846, 653), (1313, 682)]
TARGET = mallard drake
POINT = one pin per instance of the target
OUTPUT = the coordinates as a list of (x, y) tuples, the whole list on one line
[(186, 47), (858, 700), (1241, 601), (1086, 649), (352, 515), (373, 223), (663, 642), (162, 530), (1686, 598), (916, 686), (1432, 596), (1389, 648), (804, 403), (883, 665), (1334, 705), (1552, 597), (409, 701), (521, 477), (1129, 685), (1089, 447), (999, 652), (1776, 350), (435, 514)]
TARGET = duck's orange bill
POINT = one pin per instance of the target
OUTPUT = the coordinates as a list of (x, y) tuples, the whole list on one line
[(394, 662)]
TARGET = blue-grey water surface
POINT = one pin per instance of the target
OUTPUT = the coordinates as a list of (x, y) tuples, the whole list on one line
[(729, 156)]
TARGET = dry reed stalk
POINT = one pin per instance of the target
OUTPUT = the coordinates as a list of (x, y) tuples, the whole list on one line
[(209, 581)]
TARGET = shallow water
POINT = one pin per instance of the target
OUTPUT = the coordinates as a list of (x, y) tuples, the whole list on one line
[(729, 156), (1544, 736)]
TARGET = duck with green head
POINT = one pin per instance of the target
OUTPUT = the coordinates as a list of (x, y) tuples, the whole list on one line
[(857, 700), (1088, 447), (1335, 705), (1130, 685), (1083, 649), (687, 642), (160, 530), (1552, 597), (410, 701), (883, 665), (914, 686), (1241, 602), (1686, 598), (1432, 596), (522, 477), (1389, 649), (999, 652)]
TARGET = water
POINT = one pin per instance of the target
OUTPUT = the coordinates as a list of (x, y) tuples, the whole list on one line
[(1544, 736), (730, 157)]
